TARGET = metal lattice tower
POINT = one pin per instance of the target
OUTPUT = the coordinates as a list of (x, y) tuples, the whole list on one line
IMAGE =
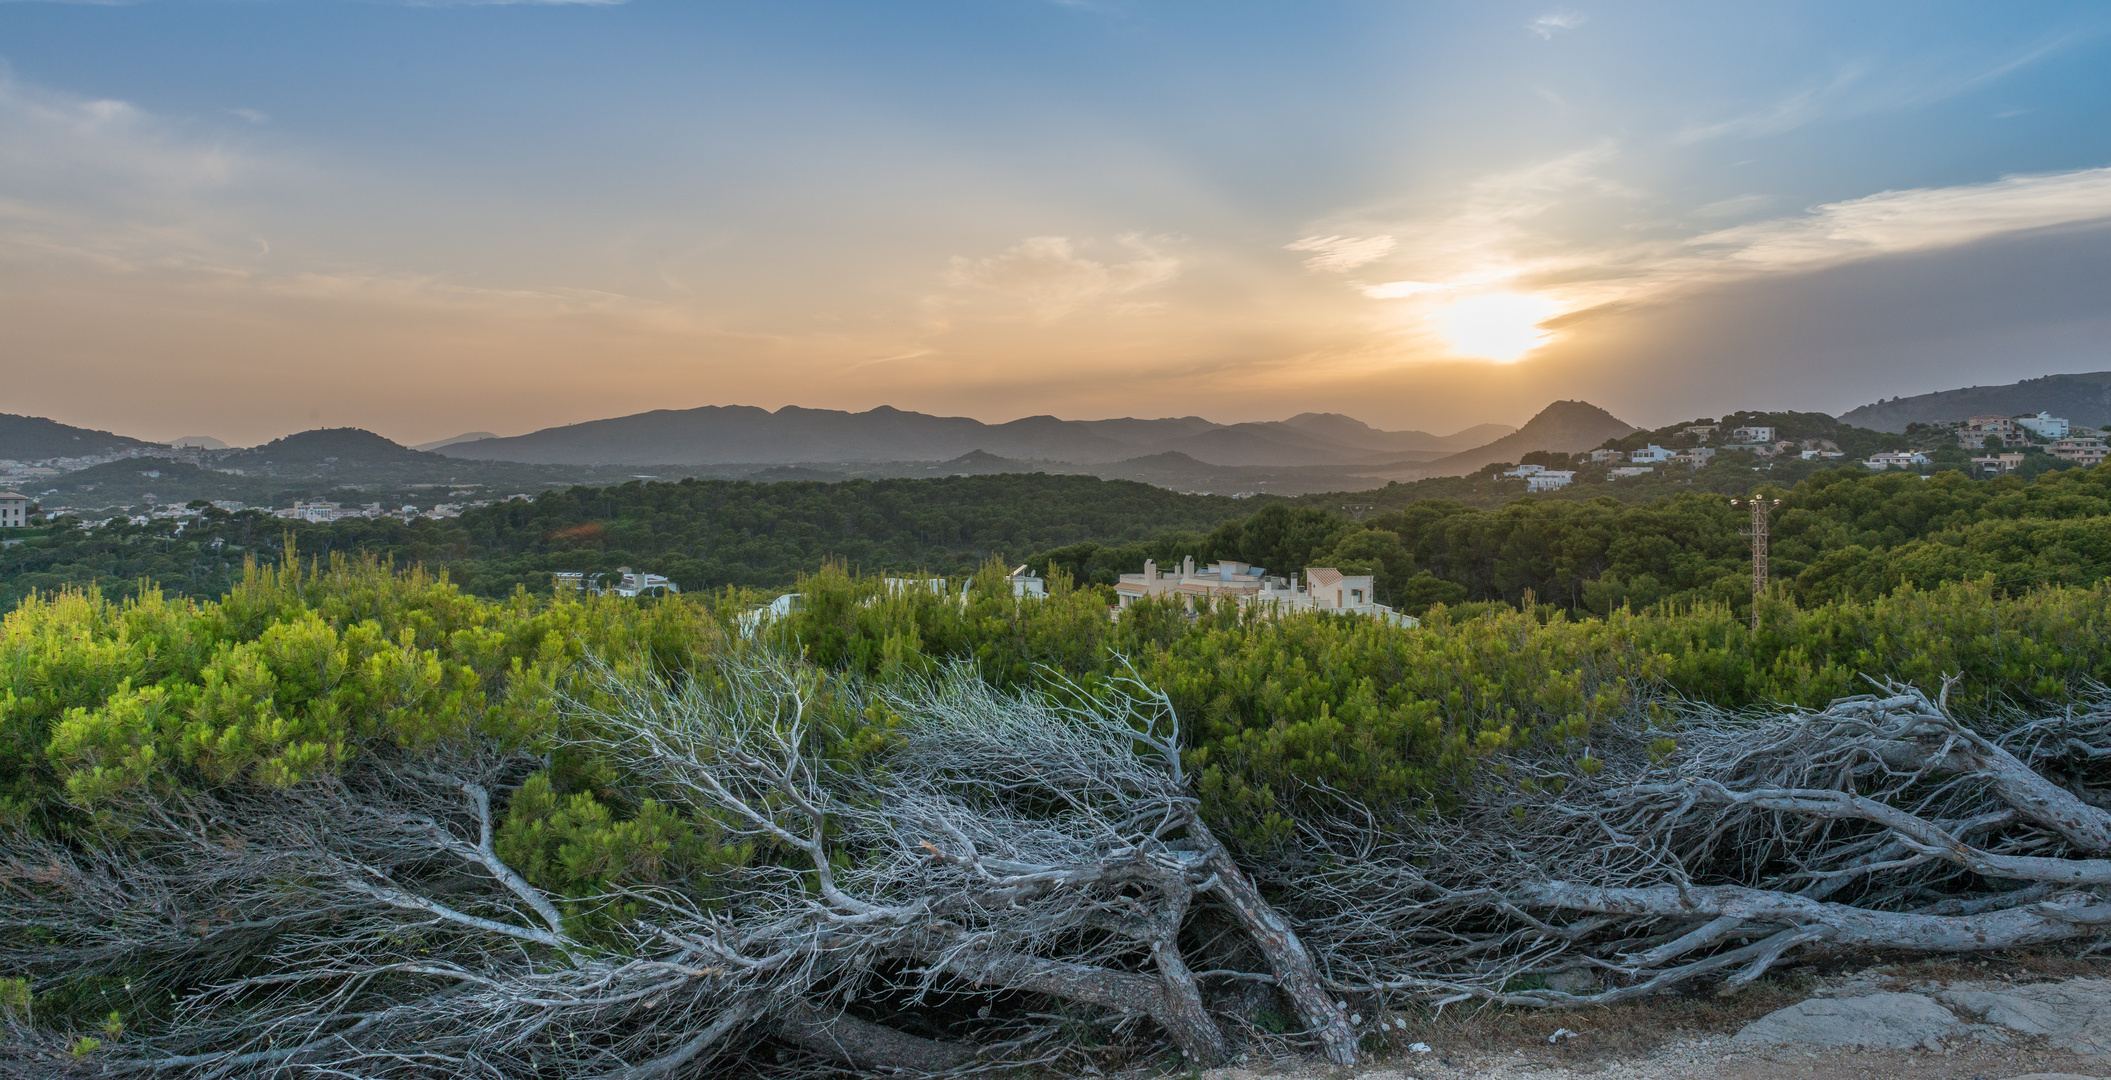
[(1758, 532)]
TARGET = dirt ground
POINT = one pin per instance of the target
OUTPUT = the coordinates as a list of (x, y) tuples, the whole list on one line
[(1690, 1036)]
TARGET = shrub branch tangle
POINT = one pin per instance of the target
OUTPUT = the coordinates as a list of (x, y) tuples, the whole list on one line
[(995, 846), (1716, 845), (344, 823)]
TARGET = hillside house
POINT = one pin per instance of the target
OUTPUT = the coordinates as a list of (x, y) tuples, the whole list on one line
[(1998, 463), (1627, 471), (1973, 433), (1322, 589), (1549, 480), (1526, 470), (1605, 457), (1756, 433), (2082, 450), (1700, 431), (1895, 460), (1651, 455), (2044, 425), (14, 510), (1696, 457)]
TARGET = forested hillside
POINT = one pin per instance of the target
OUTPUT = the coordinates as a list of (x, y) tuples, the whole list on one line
[(1840, 534), (701, 533)]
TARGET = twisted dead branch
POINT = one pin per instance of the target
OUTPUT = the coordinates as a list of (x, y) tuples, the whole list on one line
[(989, 846), (1715, 845)]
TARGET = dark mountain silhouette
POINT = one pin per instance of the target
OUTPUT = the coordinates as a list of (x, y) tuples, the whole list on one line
[(467, 436), (2081, 399), (737, 434), (1350, 431), (34, 438), (327, 450), (1567, 426)]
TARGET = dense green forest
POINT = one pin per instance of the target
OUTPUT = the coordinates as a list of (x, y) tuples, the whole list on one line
[(1839, 533), (701, 533)]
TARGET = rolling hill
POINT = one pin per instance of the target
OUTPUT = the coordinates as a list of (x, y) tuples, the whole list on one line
[(2082, 398), (741, 434), (1567, 426), (34, 438)]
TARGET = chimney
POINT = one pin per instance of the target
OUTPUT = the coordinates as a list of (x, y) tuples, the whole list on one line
[(1187, 567), (1150, 573)]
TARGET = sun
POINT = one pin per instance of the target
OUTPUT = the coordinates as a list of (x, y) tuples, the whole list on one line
[(1495, 326)]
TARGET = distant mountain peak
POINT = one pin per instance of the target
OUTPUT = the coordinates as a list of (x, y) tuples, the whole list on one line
[(1565, 426)]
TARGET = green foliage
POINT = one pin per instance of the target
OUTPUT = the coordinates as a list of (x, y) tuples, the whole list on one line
[(703, 534), (289, 674)]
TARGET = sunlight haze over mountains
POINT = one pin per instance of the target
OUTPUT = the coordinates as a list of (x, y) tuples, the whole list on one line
[(248, 219)]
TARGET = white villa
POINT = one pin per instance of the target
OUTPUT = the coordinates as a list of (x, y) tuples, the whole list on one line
[(1549, 479), (14, 509), (1895, 460), (1322, 589), (1651, 454), (2044, 425)]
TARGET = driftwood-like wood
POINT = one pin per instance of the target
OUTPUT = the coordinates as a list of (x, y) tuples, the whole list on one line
[(927, 908), (1879, 822), (365, 924)]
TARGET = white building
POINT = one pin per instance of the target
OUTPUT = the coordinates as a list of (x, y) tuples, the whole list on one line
[(1814, 455), (631, 583), (1526, 470), (1549, 480), (1627, 471), (1322, 589), (1757, 433), (1653, 454), (14, 510), (1602, 457), (1696, 457), (1025, 583), (1895, 460), (2044, 425)]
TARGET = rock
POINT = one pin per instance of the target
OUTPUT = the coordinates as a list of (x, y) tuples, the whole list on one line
[(2072, 1015), (2054, 1076), (1895, 1021)]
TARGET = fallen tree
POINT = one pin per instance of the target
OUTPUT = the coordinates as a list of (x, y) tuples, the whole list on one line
[(990, 849), (945, 878), (1715, 844)]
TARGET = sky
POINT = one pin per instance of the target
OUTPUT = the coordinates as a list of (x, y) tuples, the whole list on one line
[(244, 218)]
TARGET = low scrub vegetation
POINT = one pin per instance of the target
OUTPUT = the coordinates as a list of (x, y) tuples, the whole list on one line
[(346, 819)]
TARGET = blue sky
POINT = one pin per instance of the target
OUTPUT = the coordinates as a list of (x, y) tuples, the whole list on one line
[(244, 218)]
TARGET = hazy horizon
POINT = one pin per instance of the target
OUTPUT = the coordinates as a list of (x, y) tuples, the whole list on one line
[(242, 220)]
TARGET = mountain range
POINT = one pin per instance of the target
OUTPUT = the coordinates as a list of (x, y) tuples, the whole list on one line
[(743, 434), (2083, 398)]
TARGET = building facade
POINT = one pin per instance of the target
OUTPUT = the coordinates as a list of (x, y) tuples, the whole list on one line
[(1319, 588)]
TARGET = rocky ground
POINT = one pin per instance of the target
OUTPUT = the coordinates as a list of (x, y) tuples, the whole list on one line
[(1938, 1022)]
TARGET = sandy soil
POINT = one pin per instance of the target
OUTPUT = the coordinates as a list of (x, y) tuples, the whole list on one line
[(1690, 1037)]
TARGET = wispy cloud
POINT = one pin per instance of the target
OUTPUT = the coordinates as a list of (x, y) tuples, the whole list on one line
[(1897, 222), (1335, 254), (1546, 26), (104, 179), (1863, 87), (1048, 274), (1734, 206)]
